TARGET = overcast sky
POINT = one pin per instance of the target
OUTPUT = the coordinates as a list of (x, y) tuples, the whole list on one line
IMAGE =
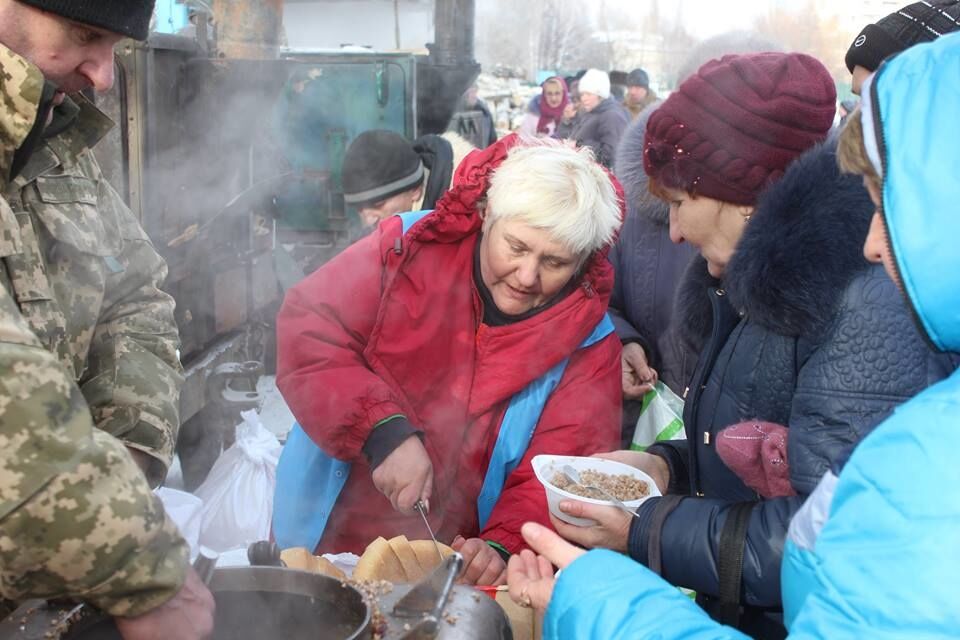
[(705, 18), (702, 18)]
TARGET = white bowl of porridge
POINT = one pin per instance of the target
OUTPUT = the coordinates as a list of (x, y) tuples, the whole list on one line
[(627, 483)]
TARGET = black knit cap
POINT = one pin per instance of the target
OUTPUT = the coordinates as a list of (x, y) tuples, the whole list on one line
[(380, 164), (913, 24), (638, 78), (130, 18)]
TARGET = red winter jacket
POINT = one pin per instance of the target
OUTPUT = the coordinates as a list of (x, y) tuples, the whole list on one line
[(393, 326)]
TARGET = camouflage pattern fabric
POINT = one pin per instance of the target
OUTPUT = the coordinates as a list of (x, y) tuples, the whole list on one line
[(22, 85), (79, 303), (77, 518), (86, 278)]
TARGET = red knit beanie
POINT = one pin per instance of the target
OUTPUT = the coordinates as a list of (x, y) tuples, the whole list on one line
[(734, 126)]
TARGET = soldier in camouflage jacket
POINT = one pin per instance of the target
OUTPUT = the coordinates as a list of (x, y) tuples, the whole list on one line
[(86, 280), (89, 371)]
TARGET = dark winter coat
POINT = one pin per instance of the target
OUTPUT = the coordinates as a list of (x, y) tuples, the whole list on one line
[(648, 268), (636, 109), (601, 130), (802, 332), (489, 132), (567, 128)]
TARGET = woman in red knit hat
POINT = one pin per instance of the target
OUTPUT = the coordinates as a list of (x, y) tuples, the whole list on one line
[(792, 325)]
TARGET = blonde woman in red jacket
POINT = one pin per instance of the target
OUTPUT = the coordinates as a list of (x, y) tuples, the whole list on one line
[(433, 359)]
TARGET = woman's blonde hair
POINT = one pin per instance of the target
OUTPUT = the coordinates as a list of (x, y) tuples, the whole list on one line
[(851, 152), (551, 185)]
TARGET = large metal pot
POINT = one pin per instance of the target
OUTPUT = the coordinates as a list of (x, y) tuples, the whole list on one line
[(255, 603), (274, 602), (264, 603)]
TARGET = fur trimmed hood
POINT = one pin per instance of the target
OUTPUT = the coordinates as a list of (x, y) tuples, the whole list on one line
[(798, 254), (629, 170)]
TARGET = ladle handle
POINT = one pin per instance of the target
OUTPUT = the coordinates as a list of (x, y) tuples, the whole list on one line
[(264, 554), (205, 564)]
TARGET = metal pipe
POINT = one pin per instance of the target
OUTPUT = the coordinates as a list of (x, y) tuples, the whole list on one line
[(249, 29), (445, 74), (396, 23), (453, 31)]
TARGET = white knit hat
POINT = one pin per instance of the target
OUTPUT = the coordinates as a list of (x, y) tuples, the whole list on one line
[(596, 82)]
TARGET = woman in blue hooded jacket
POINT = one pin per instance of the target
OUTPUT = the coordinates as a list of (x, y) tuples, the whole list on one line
[(872, 553)]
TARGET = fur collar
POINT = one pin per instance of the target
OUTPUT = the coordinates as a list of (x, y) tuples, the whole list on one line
[(629, 169), (693, 315), (801, 249)]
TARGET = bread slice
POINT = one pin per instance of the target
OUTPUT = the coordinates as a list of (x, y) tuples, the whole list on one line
[(301, 559), (297, 558), (379, 562), (411, 566), (426, 554), (327, 568), (399, 560)]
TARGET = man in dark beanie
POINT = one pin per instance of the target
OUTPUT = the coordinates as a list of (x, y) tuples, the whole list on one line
[(89, 371), (130, 18), (915, 23), (382, 175), (385, 174), (639, 96)]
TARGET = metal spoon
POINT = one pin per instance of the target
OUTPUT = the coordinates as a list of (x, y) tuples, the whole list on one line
[(572, 474)]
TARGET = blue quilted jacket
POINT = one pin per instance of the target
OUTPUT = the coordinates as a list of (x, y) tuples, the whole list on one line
[(873, 552)]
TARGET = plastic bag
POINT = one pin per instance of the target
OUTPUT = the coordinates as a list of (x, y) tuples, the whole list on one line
[(661, 418), (238, 494), (186, 511)]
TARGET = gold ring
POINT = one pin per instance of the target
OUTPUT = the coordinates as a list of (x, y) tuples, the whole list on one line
[(525, 601)]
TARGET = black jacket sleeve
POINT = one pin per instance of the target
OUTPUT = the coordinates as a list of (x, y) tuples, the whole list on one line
[(693, 529), (676, 454)]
